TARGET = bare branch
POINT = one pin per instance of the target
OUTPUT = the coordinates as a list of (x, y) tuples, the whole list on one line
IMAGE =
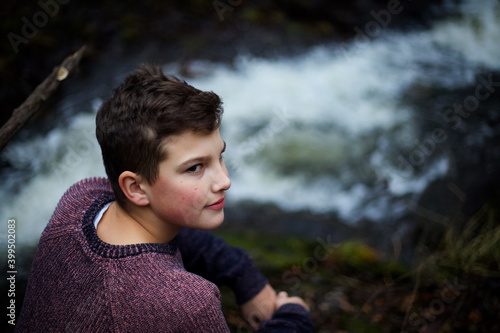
[(41, 93)]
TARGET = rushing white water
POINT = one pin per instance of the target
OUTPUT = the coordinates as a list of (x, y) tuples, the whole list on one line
[(320, 131)]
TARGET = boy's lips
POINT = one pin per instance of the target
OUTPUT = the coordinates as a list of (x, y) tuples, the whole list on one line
[(217, 205)]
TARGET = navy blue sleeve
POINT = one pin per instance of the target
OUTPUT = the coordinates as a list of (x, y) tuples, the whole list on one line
[(211, 258), (290, 318)]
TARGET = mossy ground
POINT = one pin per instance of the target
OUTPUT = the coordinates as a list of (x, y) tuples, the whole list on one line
[(351, 287)]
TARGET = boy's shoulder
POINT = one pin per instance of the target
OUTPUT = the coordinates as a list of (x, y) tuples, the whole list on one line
[(77, 203), (85, 192), (90, 186)]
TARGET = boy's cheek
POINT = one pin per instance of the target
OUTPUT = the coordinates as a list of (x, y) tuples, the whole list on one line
[(179, 215), (193, 197), (191, 203)]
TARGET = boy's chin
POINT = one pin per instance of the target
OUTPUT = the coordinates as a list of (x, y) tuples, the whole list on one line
[(216, 225), (219, 222), (214, 222)]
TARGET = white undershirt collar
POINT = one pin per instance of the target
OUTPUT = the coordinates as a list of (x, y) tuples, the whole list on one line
[(99, 215)]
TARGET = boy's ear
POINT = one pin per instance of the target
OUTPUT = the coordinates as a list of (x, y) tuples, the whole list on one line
[(130, 183)]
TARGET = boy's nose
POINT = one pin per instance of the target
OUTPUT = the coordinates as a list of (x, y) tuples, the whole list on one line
[(221, 180)]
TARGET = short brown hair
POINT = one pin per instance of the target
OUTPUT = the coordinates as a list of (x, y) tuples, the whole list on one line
[(145, 109)]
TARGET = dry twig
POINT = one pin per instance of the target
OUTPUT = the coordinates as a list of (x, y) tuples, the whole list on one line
[(41, 93)]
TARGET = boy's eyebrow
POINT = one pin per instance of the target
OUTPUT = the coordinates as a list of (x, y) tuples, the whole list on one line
[(200, 159)]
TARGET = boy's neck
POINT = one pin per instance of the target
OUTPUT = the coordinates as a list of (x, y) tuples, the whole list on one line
[(124, 227)]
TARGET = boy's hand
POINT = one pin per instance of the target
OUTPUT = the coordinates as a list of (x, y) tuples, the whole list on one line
[(283, 299), (260, 308)]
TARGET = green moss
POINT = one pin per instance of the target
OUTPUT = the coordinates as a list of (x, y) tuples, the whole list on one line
[(270, 252), (356, 253)]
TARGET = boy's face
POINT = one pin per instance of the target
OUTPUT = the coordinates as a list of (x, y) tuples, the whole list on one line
[(192, 180)]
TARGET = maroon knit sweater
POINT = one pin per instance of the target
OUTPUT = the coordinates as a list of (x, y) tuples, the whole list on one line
[(78, 283)]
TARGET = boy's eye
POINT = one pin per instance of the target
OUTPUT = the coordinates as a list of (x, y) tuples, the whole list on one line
[(194, 168)]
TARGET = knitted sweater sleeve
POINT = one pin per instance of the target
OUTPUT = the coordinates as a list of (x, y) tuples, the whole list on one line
[(211, 258), (290, 318)]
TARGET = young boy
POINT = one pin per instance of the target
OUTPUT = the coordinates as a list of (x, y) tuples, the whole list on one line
[(132, 253)]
